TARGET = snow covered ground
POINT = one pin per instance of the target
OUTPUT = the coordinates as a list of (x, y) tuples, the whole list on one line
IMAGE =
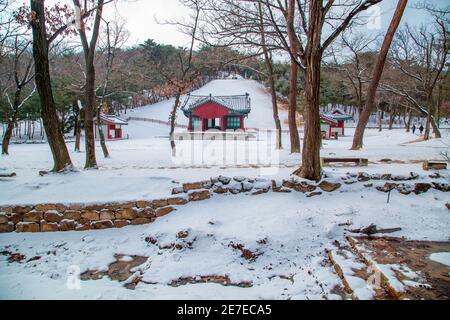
[(289, 231)]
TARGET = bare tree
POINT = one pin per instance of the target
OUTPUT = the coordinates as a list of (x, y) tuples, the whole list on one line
[(61, 157), (89, 49), (271, 77), (421, 54), (377, 72), (307, 48), (21, 73), (114, 38)]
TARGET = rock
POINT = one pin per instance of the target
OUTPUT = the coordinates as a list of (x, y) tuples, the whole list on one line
[(183, 234), (94, 207), (196, 185), (119, 223), (72, 215), (312, 194), (33, 216), (143, 204), (27, 227), (6, 227), (146, 213), (6, 210), (159, 203), (368, 185), (247, 186), (107, 215), (421, 188), (48, 227), (128, 214), (386, 176), (8, 175), (299, 186), (22, 209), (139, 221), (199, 195), (177, 190), (15, 217), (43, 173), (386, 160), (163, 211), (126, 205), (176, 201), (258, 192), (239, 179), (67, 225), (388, 186), (363, 177), (102, 224), (224, 180), (435, 175), (75, 207), (447, 205), (444, 187), (329, 186), (53, 216), (90, 215), (45, 207), (404, 189), (3, 218), (220, 190), (262, 185), (235, 187), (83, 227)]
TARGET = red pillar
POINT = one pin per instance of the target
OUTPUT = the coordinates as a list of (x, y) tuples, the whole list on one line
[(190, 124), (223, 124), (242, 123)]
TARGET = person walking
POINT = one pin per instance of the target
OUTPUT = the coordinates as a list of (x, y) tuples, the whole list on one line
[(421, 129), (414, 128)]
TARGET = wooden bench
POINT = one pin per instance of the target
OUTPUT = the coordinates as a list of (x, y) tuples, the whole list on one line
[(357, 161), (436, 165)]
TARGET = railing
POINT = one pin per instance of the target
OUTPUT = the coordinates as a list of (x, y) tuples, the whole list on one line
[(167, 123)]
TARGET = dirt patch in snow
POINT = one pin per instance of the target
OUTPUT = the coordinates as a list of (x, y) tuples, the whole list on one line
[(120, 270), (223, 280), (414, 255)]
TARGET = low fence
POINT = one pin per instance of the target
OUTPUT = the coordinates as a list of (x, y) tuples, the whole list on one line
[(167, 123)]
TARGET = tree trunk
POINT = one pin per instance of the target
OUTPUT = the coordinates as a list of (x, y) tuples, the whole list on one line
[(391, 119), (61, 157), (7, 137), (173, 116), (292, 119), (91, 161), (11, 122), (378, 70), (408, 124), (273, 93), (102, 137), (311, 168)]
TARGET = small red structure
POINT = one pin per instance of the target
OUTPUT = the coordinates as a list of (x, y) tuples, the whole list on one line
[(111, 126), (216, 112), (333, 124)]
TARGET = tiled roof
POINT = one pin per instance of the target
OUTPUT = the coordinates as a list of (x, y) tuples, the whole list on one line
[(237, 104), (113, 119), (338, 115), (328, 119)]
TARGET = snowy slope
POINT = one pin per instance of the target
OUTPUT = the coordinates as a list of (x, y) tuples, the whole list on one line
[(260, 116)]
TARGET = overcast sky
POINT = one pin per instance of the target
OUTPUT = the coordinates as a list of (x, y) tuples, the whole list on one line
[(140, 18)]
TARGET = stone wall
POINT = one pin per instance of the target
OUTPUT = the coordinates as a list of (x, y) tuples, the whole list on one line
[(79, 217)]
